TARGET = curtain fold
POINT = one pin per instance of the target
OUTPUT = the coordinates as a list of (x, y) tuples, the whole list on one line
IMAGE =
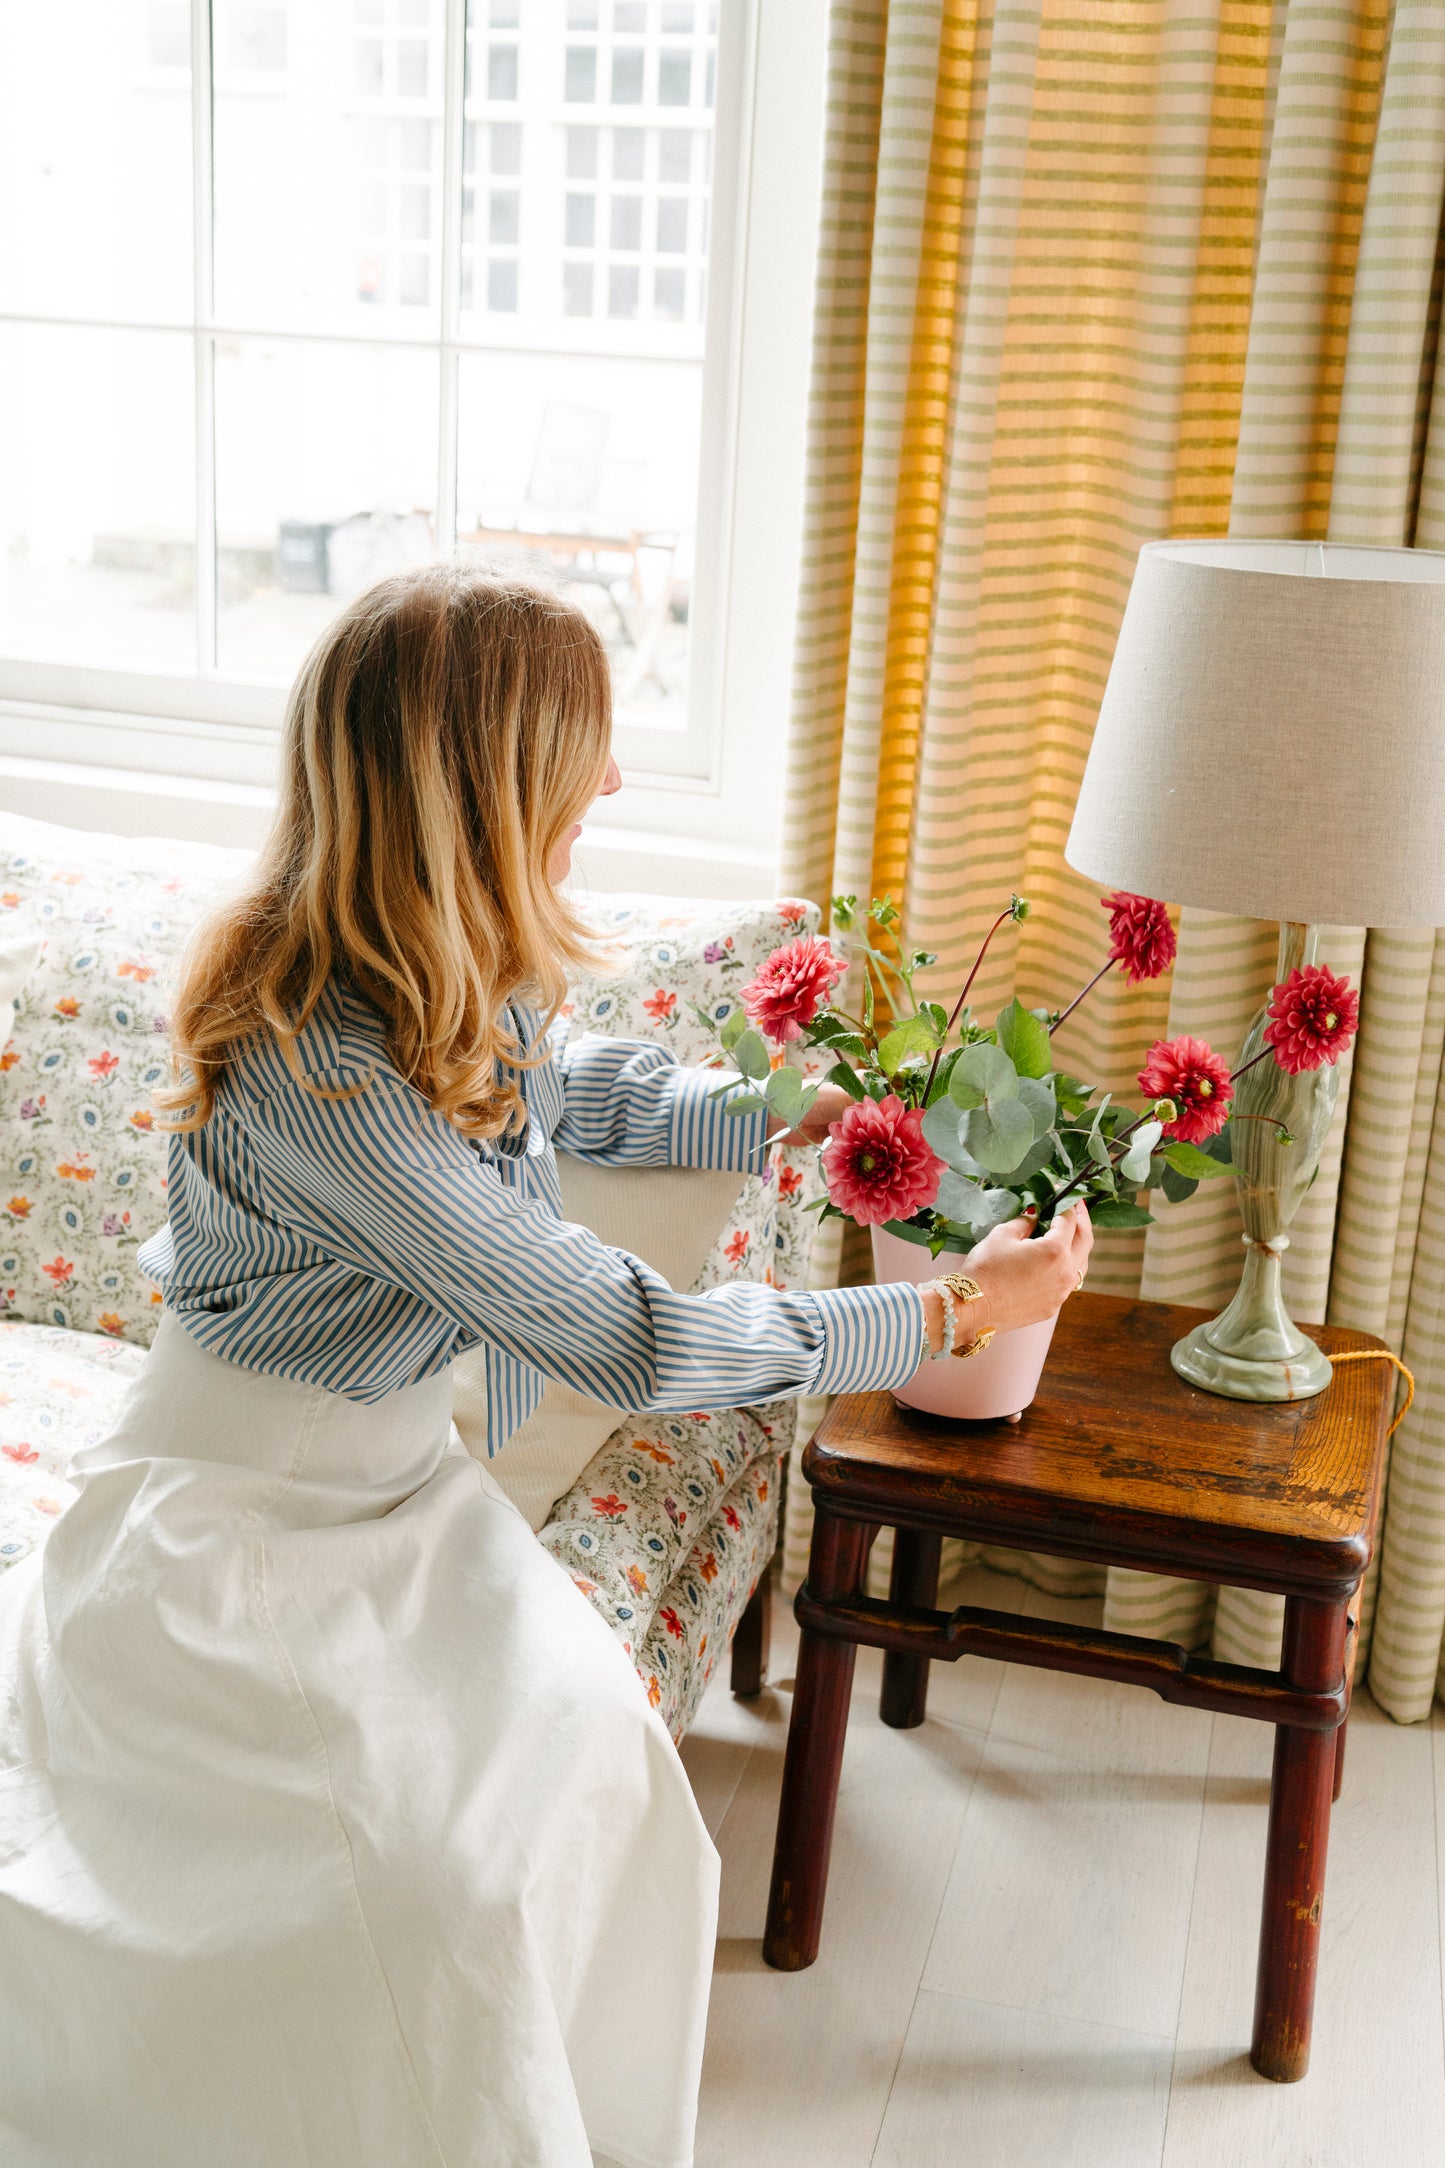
[(1090, 276)]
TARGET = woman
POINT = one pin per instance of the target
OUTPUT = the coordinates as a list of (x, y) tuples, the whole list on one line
[(337, 1831)]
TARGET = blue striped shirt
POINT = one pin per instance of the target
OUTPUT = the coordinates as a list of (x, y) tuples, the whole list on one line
[(361, 1243)]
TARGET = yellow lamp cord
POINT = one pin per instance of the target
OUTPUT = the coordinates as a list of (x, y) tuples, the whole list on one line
[(1383, 1355)]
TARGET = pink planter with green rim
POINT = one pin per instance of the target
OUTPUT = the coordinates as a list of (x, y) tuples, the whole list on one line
[(1002, 1381)]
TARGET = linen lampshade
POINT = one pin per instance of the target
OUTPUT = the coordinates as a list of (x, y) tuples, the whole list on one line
[(1272, 737)]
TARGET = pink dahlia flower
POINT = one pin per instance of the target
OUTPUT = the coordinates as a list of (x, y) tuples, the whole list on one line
[(792, 986), (1140, 936), (1312, 1018), (1189, 1072), (876, 1163)]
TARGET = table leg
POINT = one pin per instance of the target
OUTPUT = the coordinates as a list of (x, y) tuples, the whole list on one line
[(913, 1585), (1299, 1829), (1352, 1650), (811, 1767)]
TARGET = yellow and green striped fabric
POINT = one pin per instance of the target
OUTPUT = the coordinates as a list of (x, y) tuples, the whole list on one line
[(1090, 275)]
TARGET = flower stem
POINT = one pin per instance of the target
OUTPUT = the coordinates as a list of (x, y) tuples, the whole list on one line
[(1068, 1012), (1122, 1136), (958, 1005), (1236, 1074)]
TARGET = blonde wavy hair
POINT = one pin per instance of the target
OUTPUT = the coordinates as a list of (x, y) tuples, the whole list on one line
[(442, 737)]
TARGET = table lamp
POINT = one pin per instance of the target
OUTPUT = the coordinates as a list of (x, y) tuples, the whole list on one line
[(1272, 744)]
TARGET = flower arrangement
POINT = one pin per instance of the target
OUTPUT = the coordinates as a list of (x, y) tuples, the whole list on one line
[(956, 1125)]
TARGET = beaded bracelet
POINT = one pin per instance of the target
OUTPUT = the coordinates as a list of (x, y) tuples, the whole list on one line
[(951, 1284)]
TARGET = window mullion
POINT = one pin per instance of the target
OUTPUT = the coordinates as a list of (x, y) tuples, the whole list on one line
[(204, 308), (453, 119)]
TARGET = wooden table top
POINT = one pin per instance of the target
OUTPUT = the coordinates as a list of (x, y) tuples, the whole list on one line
[(1121, 1461)]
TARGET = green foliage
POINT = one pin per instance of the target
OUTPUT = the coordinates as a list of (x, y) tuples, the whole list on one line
[(1114, 1212), (733, 1029), (750, 1056), (1025, 1040), (848, 1079), (1178, 1188), (1191, 1162), (916, 1035)]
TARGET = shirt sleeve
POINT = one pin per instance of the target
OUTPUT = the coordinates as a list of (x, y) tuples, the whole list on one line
[(384, 1184), (628, 1103)]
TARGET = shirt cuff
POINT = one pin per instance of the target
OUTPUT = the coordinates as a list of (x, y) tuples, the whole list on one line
[(701, 1132), (873, 1337)]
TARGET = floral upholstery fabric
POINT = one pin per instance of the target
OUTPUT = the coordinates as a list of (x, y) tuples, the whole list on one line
[(59, 1392), (666, 1535), (82, 1183)]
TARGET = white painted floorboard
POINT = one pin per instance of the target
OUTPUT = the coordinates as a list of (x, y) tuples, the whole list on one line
[(1040, 1937)]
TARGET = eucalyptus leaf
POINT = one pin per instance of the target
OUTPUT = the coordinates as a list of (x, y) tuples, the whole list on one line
[(1134, 1166), (994, 1208), (1038, 1097), (1035, 1159), (999, 1134), (785, 1096), (1024, 1039), (734, 1028), (1073, 1097), (746, 1103), (751, 1056), (982, 1072), (958, 1197)]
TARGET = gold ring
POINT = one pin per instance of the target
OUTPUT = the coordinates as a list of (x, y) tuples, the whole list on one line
[(1078, 1284)]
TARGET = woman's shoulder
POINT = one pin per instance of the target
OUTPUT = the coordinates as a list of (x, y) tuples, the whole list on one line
[(341, 1046)]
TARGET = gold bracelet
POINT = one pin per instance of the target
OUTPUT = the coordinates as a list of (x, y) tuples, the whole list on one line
[(967, 1290)]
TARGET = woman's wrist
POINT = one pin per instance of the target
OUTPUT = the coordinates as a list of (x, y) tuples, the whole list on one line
[(971, 1318)]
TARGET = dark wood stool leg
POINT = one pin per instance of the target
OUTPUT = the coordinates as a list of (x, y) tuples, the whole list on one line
[(1352, 1646), (836, 1565), (1338, 1783), (750, 1641), (913, 1584), (1299, 1829)]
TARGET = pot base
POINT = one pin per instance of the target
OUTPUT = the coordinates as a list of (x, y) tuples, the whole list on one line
[(1001, 1382)]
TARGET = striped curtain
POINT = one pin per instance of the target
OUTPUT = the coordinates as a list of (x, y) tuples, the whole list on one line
[(1091, 275)]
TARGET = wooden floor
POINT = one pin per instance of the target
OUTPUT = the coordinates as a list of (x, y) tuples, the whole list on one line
[(1040, 1939)]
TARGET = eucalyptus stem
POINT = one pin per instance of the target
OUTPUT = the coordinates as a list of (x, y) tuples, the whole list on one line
[(958, 1005)]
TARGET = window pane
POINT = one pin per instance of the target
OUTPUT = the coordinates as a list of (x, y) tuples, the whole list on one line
[(326, 479), (626, 230), (630, 15), (577, 289), (502, 72), (97, 497), (506, 146), (581, 14), (622, 284), (505, 220), (252, 40), (581, 153), (95, 160), (674, 79), (627, 153), (581, 75), (502, 286), (672, 226), (588, 478), (674, 154), (669, 294), (580, 222), (328, 177), (627, 78)]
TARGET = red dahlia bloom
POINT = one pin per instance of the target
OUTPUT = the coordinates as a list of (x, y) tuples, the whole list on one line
[(876, 1163), (792, 986), (1312, 1018), (1140, 936), (1189, 1072)]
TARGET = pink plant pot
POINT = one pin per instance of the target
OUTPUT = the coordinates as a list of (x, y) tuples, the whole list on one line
[(1001, 1381)]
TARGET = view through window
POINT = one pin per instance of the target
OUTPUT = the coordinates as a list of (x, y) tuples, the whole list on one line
[(384, 294)]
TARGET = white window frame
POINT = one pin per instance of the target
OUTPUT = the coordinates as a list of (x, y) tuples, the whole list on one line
[(705, 783)]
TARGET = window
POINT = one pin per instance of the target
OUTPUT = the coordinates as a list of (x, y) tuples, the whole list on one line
[(374, 280)]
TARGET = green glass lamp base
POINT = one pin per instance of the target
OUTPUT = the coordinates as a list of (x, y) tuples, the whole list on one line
[(1245, 1377)]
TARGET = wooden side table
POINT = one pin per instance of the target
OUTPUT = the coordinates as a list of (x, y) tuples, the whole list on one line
[(1121, 1462)]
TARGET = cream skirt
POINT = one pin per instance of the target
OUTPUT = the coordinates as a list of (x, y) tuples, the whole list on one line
[(335, 1828)]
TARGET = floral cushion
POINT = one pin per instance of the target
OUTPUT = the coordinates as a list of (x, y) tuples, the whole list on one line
[(667, 1533), (59, 1392)]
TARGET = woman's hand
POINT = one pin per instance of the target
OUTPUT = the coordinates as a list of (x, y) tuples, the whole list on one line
[(1022, 1279), (828, 1106)]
